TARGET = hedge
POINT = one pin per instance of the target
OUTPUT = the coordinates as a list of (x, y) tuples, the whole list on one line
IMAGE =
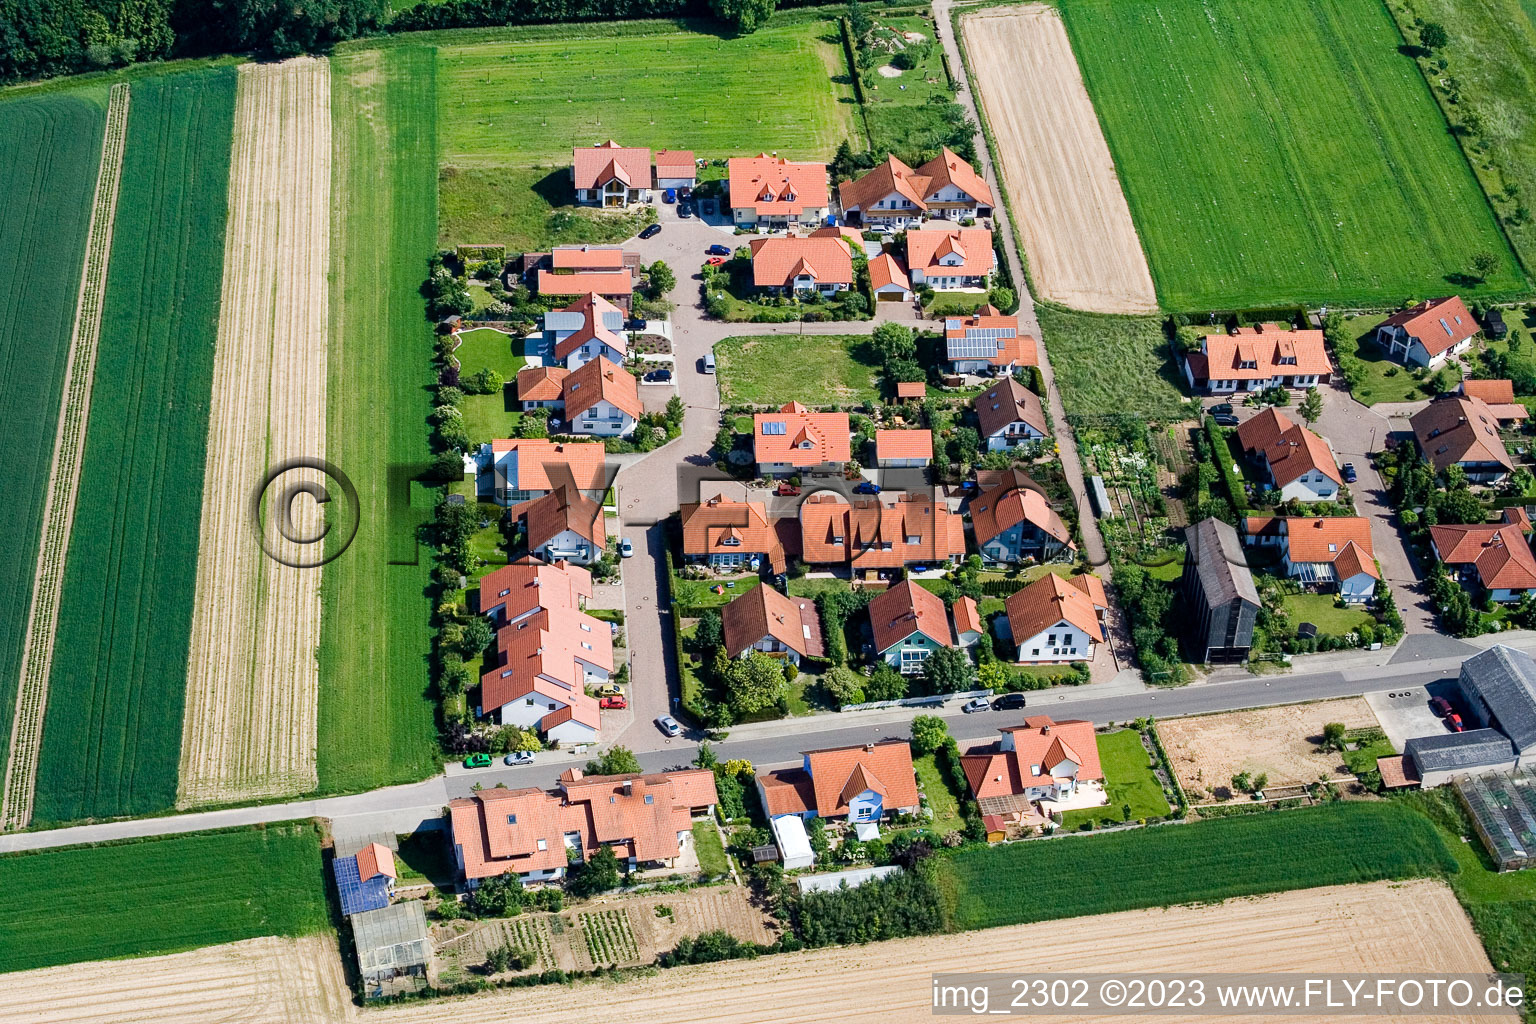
[(1230, 478)]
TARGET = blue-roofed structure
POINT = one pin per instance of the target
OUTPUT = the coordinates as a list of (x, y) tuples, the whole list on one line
[(358, 895)]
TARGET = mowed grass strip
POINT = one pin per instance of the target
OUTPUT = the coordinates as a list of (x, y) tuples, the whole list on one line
[(50, 149), (161, 895), (525, 102), (376, 723), (112, 733), (772, 369), (1280, 151), (1129, 781), (1108, 365), (1333, 844)]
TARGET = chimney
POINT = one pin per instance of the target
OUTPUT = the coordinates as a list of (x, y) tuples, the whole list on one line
[(869, 746), (629, 786), (1045, 730)]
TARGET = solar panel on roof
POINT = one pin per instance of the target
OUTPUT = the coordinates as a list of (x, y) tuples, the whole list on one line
[(357, 895)]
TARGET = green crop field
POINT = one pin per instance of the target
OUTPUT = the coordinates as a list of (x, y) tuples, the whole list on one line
[(1282, 151), (49, 152), (513, 103), (1166, 865), (112, 735), (162, 895), (376, 717)]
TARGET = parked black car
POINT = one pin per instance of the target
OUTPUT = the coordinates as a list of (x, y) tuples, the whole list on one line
[(658, 376), (1226, 420), (634, 324), (1221, 409), (1009, 702), (651, 231)]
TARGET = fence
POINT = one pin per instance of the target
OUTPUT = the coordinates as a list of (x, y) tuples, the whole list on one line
[(915, 702)]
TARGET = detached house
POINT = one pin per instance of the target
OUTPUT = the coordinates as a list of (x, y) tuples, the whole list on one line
[(647, 820), (1218, 590), (909, 624), (601, 398), (1492, 557), (1462, 430), (569, 272), (611, 175), (589, 328), (564, 525), (796, 440), (1014, 522), (1057, 620), (951, 258), (1326, 552), (1009, 414), (516, 470), (765, 621), (1500, 397), (1034, 770), (893, 195), (730, 535), (988, 342), (1258, 358), (859, 784), (770, 192), (1428, 334), (1297, 462), (872, 537), (791, 266)]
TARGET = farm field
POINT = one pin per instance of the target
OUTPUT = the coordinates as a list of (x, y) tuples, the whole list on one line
[(112, 728), (1254, 140), (376, 722), (50, 151), (249, 729), (1332, 844), (1111, 365), (772, 369), (1062, 188), (162, 895), (1207, 750), (512, 103)]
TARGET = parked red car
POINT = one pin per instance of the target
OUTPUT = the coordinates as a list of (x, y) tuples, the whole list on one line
[(612, 703), (715, 261), (787, 491), (1453, 721), (1440, 706)]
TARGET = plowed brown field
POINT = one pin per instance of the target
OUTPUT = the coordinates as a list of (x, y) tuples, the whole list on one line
[(1062, 188), (1384, 927), (252, 680)]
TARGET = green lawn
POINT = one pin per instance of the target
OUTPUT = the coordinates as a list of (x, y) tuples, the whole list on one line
[(487, 417), (426, 856), (698, 593), (804, 586), (163, 895), (1320, 610), (376, 721), (1373, 745), (1332, 844), (955, 304), (1111, 365), (50, 149), (941, 799), (1272, 151), (1128, 779), (1385, 380), (911, 114), (112, 733), (513, 102), (711, 851), (1492, 57), (814, 369)]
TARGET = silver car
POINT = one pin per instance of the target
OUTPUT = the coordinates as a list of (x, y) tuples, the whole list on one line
[(518, 757), (668, 725)]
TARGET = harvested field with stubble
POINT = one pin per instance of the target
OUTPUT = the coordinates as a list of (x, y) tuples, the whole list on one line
[(252, 677), (1063, 191), (1207, 750), (1387, 927)]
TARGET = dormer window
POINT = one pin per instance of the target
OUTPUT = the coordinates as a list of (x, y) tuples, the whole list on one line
[(731, 542)]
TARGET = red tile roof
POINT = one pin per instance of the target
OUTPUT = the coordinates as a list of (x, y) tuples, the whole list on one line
[(967, 617), (1049, 600), (1007, 402), (911, 389), (542, 465), (1439, 324), (962, 334), (949, 169), (904, 444), (884, 270), (763, 612), (776, 262), (905, 609), (531, 583), (592, 306), (807, 438), (587, 257), (839, 774), (540, 383), (773, 186), (888, 177), (871, 534), (787, 791), (562, 509), (1459, 428), (1494, 392), (926, 246), (1017, 499), (644, 812), (600, 282), (1265, 346), (593, 166), (1499, 551), (1342, 540), (601, 381), (722, 527), (1289, 449), (1039, 745), (676, 163), (375, 859)]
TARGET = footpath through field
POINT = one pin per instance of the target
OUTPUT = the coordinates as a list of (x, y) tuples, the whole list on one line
[(64, 481)]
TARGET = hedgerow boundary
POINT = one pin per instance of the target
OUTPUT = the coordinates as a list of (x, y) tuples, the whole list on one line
[(64, 481)]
